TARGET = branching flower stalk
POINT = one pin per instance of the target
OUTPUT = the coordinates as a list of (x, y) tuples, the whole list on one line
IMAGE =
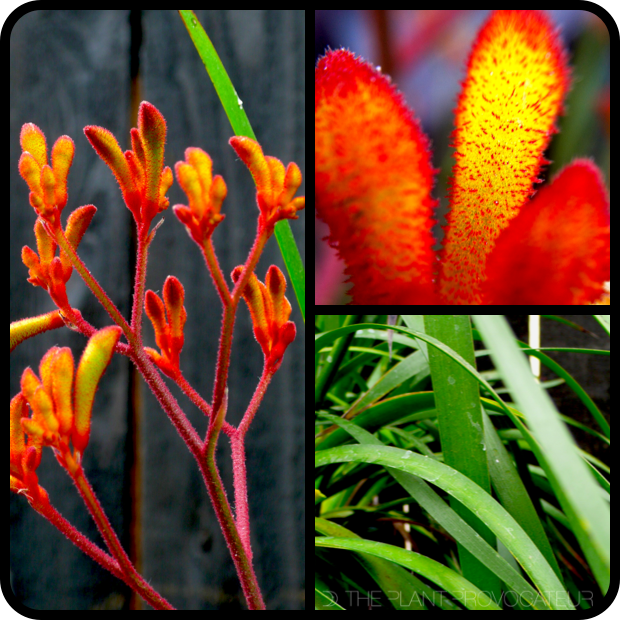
[(55, 408)]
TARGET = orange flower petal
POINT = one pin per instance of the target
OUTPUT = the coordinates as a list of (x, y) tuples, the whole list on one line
[(252, 156), (78, 222), (62, 157), (174, 296), (154, 308), (516, 81), (557, 250), (62, 389), (19, 410), (204, 192), (373, 179)]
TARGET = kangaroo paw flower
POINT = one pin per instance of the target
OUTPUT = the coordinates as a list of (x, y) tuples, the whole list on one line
[(204, 192), (25, 455), (168, 333), (373, 178), (140, 173), (93, 363), (48, 185), (27, 328), (558, 244), (270, 311), (61, 407), (516, 81), (275, 187), (373, 181), (49, 271)]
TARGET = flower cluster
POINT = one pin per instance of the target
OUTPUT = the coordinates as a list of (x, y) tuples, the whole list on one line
[(275, 187), (204, 192), (61, 402), (55, 408), (49, 271), (47, 184)]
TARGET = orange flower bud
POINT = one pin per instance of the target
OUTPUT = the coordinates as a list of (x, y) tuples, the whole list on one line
[(174, 296), (140, 173), (62, 158), (276, 285), (255, 296), (27, 328), (25, 458), (270, 311), (104, 142), (204, 193), (48, 185), (77, 224), (32, 140), (46, 270), (61, 379), (154, 307), (168, 333), (93, 363), (50, 399), (43, 423), (275, 188), (152, 130), (19, 410), (252, 156), (30, 170)]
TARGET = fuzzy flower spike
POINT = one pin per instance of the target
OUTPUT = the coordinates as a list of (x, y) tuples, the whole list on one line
[(373, 181), (140, 172), (275, 185)]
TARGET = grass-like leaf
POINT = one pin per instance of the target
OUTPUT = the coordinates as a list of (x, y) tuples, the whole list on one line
[(468, 493), (542, 481)]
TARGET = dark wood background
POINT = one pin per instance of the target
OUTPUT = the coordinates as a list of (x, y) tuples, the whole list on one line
[(74, 68)]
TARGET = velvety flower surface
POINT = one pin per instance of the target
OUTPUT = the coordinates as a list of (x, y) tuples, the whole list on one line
[(513, 92), (374, 178)]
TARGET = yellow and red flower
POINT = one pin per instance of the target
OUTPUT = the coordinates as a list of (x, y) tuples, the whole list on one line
[(168, 332), (374, 178), (270, 311), (47, 184), (275, 186), (49, 271), (140, 172), (205, 194), (61, 402)]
